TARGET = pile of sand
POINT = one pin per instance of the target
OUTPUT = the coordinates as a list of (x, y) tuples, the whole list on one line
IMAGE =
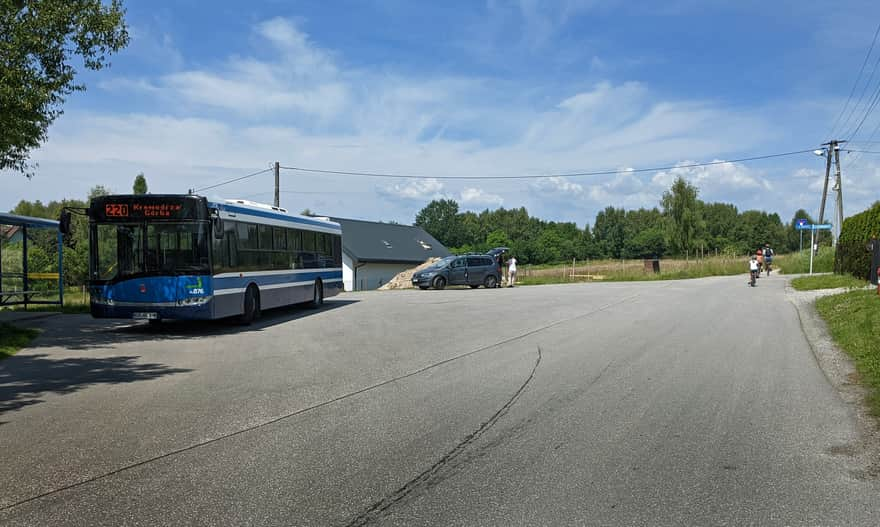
[(403, 279)]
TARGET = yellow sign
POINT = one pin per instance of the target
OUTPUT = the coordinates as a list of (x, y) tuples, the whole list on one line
[(42, 276)]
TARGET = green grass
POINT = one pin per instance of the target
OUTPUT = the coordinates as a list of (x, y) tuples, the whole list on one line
[(13, 338), (74, 302), (798, 263), (826, 281), (854, 321), (668, 271)]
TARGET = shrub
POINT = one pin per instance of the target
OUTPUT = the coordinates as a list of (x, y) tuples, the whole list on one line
[(852, 256)]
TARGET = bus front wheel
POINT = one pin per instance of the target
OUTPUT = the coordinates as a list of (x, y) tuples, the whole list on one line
[(251, 305)]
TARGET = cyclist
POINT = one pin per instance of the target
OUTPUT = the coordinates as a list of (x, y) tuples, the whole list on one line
[(768, 257), (759, 255), (753, 270)]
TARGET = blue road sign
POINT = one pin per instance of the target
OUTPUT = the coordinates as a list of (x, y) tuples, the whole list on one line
[(822, 227), (802, 225)]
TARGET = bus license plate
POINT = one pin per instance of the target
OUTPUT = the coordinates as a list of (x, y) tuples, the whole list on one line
[(145, 316)]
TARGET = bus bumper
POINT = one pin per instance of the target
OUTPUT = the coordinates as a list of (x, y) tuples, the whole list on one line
[(152, 312)]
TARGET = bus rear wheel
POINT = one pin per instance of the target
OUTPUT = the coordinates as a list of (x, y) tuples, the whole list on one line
[(318, 295), (251, 305)]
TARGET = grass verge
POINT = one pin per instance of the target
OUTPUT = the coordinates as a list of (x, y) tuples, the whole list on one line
[(13, 338), (826, 281), (854, 321), (798, 263)]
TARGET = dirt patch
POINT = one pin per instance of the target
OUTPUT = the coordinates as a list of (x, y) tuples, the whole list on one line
[(403, 279)]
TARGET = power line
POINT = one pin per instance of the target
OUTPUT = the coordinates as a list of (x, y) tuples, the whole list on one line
[(862, 151), (856, 83), (852, 160), (846, 123), (542, 176), (193, 191), (874, 100)]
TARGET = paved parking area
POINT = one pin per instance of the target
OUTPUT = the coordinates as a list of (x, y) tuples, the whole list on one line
[(616, 404)]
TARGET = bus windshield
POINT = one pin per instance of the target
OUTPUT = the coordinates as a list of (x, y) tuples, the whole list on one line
[(124, 250)]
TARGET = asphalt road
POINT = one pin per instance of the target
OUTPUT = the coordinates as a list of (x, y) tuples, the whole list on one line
[(669, 403)]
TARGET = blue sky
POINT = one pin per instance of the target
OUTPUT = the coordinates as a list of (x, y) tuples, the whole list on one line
[(469, 88)]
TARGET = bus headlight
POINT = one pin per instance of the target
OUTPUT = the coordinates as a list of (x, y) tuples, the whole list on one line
[(194, 301)]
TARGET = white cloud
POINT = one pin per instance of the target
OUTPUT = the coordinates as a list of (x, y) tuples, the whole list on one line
[(123, 84), (724, 175), (154, 46), (301, 77), (417, 189), (624, 189), (256, 94), (542, 20), (806, 173), (477, 197), (558, 186), (305, 59)]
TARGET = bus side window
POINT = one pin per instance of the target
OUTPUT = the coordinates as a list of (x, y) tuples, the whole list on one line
[(232, 245)]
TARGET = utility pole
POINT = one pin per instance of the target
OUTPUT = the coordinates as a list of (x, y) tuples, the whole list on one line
[(833, 148), (278, 184), (838, 186), (827, 177)]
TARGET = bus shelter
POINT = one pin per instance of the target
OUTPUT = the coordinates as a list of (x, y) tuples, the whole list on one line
[(17, 285)]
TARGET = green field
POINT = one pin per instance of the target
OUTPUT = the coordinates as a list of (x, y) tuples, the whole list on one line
[(632, 270), (854, 321)]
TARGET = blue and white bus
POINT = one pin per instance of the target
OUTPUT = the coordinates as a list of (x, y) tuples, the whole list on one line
[(160, 257)]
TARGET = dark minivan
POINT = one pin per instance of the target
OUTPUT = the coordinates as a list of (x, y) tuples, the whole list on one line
[(472, 269)]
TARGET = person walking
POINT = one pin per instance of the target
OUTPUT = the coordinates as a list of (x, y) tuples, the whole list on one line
[(511, 271)]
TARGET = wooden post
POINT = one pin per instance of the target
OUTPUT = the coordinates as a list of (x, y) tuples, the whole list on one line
[(24, 264)]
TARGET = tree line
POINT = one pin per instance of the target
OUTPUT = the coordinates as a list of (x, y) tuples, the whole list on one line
[(681, 226), (42, 243)]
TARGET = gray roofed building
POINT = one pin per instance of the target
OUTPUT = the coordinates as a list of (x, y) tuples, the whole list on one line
[(373, 253)]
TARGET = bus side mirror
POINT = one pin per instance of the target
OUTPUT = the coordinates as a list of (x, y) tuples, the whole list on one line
[(217, 223), (64, 222)]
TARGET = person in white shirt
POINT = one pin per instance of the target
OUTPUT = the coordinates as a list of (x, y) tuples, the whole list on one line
[(753, 270), (511, 272)]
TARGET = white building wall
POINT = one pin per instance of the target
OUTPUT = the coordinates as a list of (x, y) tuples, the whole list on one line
[(347, 272), (374, 275)]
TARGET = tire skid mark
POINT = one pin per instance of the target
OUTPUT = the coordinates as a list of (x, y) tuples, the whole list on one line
[(378, 509), (315, 406)]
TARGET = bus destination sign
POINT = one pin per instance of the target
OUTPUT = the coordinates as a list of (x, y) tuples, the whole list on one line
[(142, 210), (116, 210), (150, 207)]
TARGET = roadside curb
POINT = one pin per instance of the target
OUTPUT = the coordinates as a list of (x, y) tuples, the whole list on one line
[(841, 373)]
